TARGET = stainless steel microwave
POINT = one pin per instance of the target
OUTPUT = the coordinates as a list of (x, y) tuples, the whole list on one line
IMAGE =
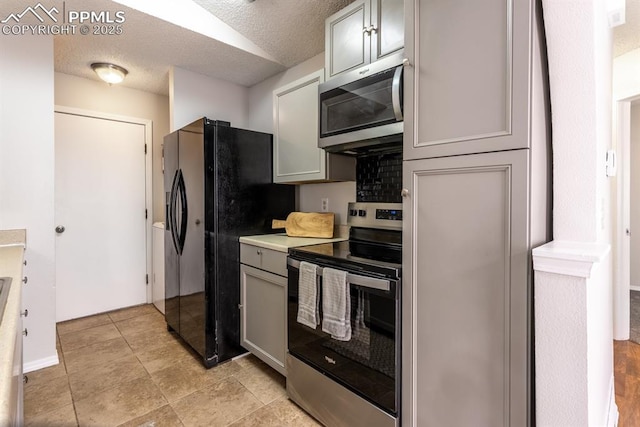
[(362, 108)]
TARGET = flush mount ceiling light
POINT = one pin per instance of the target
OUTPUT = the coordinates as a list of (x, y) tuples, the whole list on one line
[(110, 73)]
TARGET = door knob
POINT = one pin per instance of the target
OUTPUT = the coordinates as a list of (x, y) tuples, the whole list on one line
[(60, 229)]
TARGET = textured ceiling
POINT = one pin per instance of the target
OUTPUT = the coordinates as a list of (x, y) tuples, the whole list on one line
[(626, 37), (290, 31)]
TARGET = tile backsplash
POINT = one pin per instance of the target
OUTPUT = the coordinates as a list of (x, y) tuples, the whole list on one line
[(379, 178)]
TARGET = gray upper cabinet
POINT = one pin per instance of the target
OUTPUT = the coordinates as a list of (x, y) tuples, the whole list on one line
[(361, 33), (296, 156), (467, 87)]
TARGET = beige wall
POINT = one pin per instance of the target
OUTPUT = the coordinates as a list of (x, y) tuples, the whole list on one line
[(194, 95), (77, 92)]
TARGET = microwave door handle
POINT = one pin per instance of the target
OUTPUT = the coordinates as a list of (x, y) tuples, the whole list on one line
[(396, 87)]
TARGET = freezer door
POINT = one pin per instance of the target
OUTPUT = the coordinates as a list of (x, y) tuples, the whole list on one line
[(245, 203), (171, 256), (192, 261)]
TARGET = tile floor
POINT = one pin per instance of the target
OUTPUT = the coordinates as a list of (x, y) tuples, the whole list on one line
[(124, 369)]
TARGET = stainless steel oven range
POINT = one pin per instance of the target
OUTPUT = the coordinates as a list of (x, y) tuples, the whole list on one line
[(348, 379)]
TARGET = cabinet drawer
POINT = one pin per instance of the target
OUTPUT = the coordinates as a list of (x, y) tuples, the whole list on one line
[(264, 259)]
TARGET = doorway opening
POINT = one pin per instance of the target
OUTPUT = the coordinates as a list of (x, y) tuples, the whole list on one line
[(627, 292)]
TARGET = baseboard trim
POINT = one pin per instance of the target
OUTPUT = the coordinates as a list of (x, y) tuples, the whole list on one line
[(612, 418), (40, 363)]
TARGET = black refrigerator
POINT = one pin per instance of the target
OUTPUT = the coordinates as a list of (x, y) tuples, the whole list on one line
[(218, 187)]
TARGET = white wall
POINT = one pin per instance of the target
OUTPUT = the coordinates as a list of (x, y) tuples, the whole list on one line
[(77, 92), (26, 180), (261, 119), (194, 95), (579, 53), (635, 193)]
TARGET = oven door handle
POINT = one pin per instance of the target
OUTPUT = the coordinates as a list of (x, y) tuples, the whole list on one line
[(354, 279)]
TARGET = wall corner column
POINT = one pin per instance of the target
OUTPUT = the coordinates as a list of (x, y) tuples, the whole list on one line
[(573, 353)]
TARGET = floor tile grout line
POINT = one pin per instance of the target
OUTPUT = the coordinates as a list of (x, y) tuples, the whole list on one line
[(117, 385), (252, 366), (66, 372)]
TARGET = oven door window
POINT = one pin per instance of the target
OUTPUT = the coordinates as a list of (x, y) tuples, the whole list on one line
[(365, 103), (368, 363)]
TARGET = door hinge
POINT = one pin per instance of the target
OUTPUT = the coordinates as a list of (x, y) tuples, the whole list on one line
[(145, 148), (146, 279)]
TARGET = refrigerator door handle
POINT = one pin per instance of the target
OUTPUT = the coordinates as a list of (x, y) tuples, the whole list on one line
[(185, 211), (172, 212)]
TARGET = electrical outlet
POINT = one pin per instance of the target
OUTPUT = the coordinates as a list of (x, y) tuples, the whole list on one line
[(324, 205)]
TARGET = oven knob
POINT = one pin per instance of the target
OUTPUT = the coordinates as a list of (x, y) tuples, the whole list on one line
[(353, 212), (362, 212)]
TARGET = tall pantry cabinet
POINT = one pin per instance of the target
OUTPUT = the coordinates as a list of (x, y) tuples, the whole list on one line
[(477, 181)]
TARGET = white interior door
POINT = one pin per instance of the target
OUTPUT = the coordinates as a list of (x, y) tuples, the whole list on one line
[(101, 261)]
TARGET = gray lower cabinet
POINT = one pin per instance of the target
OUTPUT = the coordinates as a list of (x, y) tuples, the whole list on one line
[(263, 295), (468, 86), (467, 291)]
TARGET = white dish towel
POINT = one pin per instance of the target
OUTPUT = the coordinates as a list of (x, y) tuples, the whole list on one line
[(308, 302), (336, 304)]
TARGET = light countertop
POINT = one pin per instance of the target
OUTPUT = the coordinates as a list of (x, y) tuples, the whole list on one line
[(281, 242), (13, 237), (12, 244)]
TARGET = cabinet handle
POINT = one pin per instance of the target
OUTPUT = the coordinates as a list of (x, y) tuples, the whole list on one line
[(25, 332), (25, 313), (25, 280), (404, 192), (368, 30)]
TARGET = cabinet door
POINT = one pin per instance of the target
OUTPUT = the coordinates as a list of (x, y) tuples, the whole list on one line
[(346, 42), (466, 304), (387, 17), (263, 315), (296, 155), (467, 89)]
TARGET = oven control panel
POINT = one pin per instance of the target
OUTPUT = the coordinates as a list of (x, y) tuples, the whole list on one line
[(390, 214), (375, 215)]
